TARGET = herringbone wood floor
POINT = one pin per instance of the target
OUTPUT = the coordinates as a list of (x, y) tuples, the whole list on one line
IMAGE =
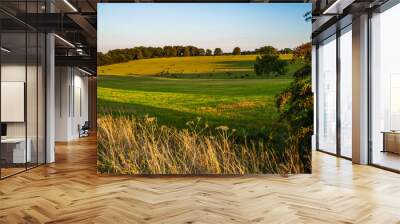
[(70, 191)]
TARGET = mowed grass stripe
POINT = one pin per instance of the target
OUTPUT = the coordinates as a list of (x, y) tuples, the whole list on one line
[(183, 65), (237, 103), (227, 66)]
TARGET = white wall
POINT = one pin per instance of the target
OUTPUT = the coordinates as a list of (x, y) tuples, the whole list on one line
[(14, 72), (62, 81), (314, 90), (346, 92), (71, 102), (80, 104), (33, 126), (385, 75), (13, 101), (360, 89), (327, 95)]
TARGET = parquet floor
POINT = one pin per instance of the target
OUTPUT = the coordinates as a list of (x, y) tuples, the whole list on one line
[(70, 191)]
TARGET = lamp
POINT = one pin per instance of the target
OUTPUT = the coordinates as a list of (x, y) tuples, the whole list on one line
[(70, 5), (5, 50), (64, 40)]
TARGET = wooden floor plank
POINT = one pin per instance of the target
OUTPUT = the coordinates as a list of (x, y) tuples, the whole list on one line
[(71, 191)]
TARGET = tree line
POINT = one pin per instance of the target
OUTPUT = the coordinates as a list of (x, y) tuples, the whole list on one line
[(270, 63), (136, 53)]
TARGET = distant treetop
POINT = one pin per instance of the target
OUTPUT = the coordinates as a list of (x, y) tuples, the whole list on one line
[(136, 53)]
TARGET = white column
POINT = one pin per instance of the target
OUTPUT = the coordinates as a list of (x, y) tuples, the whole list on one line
[(63, 101), (314, 90), (360, 90), (50, 100)]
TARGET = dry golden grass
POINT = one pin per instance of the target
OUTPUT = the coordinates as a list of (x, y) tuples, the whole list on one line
[(183, 65), (128, 145)]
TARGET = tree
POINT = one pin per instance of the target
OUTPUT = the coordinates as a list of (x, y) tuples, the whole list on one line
[(307, 16), (295, 106), (202, 52), (266, 50), (138, 54), (302, 52), (141, 52), (157, 52), (186, 52), (286, 51), (194, 51), (179, 50), (218, 51), (247, 52), (236, 51), (146, 52), (169, 51), (101, 58), (269, 63)]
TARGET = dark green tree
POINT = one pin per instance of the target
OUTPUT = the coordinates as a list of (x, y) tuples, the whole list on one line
[(295, 105), (307, 16), (208, 52), (266, 50), (169, 51), (202, 52), (218, 51), (146, 52), (138, 54), (286, 51), (236, 51), (302, 52), (194, 51), (157, 52), (269, 63), (101, 59), (186, 52)]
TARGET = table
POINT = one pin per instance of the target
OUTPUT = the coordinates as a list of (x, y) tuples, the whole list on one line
[(391, 141), (13, 150)]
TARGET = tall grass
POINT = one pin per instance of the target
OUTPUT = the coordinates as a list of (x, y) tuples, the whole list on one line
[(130, 145)]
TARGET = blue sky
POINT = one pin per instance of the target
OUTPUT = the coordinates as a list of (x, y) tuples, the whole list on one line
[(248, 26)]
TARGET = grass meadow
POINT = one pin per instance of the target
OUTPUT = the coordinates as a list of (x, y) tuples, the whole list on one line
[(131, 145), (246, 105), (226, 66), (190, 115)]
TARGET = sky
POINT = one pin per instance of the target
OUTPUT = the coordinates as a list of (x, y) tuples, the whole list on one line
[(225, 25)]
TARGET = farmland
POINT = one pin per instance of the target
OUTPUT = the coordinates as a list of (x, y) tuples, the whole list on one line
[(204, 90), (220, 90), (186, 115), (227, 66)]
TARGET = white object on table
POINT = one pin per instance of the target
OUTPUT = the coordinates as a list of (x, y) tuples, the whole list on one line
[(12, 98), (19, 155)]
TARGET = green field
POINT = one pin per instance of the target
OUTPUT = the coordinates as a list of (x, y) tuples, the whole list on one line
[(228, 66), (220, 90)]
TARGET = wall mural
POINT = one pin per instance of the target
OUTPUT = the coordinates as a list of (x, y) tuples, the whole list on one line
[(204, 88)]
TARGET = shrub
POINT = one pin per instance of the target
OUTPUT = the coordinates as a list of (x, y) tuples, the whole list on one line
[(269, 63), (295, 105)]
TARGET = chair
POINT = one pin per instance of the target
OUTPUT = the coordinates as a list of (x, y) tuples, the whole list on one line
[(84, 130)]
